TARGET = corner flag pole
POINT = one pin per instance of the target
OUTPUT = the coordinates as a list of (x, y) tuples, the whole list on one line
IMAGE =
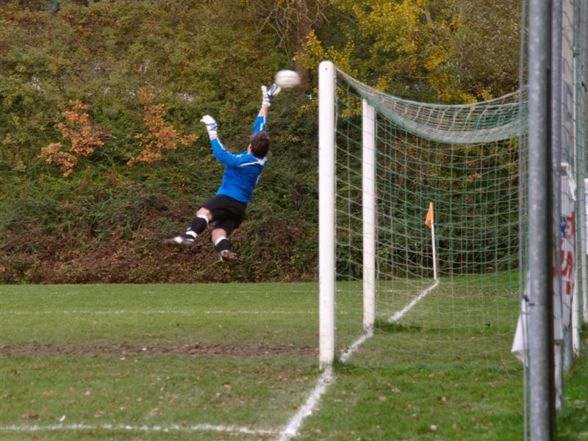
[(434, 251), (430, 222)]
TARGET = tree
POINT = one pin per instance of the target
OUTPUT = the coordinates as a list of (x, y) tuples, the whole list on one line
[(485, 48), (439, 50), (293, 21)]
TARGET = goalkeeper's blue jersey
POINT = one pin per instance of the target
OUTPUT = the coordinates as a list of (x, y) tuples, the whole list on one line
[(242, 171)]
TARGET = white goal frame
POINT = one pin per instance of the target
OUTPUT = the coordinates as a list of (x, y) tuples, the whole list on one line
[(327, 215), (328, 227)]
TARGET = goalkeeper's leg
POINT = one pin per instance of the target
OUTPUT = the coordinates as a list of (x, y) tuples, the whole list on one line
[(197, 226), (223, 245)]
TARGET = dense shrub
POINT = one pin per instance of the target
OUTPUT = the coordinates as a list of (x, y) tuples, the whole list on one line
[(102, 154), (97, 71)]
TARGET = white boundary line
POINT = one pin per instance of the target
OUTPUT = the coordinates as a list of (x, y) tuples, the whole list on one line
[(327, 378), (397, 316), (355, 345), (291, 430), (323, 383), (155, 312), (132, 428)]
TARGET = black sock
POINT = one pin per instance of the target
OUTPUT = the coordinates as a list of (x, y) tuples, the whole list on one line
[(222, 244), (198, 225)]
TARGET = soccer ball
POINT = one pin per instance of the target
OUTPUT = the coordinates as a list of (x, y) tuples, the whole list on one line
[(287, 79)]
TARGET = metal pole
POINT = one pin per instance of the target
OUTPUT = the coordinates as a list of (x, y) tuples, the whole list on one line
[(540, 289), (556, 145), (570, 155), (327, 265), (578, 175), (583, 30), (584, 116), (579, 106)]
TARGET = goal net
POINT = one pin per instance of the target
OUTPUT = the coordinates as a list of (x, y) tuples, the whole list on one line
[(428, 208)]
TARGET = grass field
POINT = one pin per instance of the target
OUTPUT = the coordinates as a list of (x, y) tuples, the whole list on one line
[(237, 361), (572, 424)]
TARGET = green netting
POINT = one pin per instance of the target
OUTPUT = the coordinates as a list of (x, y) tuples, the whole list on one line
[(466, 160), (490, 121)]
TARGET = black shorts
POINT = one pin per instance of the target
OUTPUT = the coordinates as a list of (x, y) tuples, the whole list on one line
[(227, 213)]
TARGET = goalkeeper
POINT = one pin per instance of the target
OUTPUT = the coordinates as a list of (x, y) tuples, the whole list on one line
[(225, 211)]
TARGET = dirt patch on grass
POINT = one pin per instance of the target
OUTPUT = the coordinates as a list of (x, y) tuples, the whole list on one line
[(186, 349)]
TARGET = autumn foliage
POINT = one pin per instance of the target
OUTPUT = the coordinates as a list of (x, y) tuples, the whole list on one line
[(160, 136), (81, 139)]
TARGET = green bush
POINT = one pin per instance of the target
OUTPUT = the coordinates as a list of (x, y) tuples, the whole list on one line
[(105, 221)]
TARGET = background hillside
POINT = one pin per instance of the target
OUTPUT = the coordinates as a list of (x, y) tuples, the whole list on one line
[(101, 152)]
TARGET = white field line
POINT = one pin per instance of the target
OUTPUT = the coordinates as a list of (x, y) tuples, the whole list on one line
[(135, 428), (324, 381), (355, 345), (309, 405), (291, 429), (327, 378), (156, 312), (398, 315)]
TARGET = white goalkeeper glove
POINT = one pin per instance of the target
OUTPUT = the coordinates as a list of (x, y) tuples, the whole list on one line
[(268, 94), (210, 124)]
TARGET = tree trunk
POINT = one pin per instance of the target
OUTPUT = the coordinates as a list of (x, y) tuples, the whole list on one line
[(303, 28)]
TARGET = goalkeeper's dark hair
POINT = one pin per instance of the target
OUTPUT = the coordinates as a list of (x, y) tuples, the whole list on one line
[(259, 145)]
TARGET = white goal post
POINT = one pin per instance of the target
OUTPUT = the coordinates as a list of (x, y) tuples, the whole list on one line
[(327, 77), (382, 161), (327, 229)]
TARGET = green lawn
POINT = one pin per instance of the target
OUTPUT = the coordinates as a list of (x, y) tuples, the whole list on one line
[(236, 361), (227, 355), (572, 424)]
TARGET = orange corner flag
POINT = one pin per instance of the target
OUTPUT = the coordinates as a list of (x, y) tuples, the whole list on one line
[(430, 217)]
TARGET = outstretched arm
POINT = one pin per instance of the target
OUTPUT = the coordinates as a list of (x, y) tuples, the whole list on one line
[(211, 126), (218, 149), (263, 111), (267, 95)]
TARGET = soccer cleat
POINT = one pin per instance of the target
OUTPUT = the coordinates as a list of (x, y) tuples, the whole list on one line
[(228, 255), (184, 240)]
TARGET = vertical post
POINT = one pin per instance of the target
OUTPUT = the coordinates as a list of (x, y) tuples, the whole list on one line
[(569, 149), (430, 223), (540, 287), (434, 247), (327, 227), (582, 123), (579, 260), (583, 295), (557, 172), (369, 215), (580, 40), (584, 77)]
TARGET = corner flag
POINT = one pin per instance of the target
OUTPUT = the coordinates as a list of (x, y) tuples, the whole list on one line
[(430, 222), (430, 216)]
